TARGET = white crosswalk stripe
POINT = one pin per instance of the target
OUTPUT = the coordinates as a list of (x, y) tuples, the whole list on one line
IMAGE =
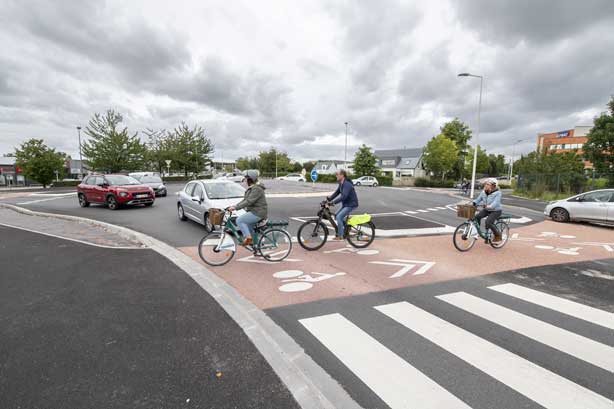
[(400, 384), (571, 308), (394, 380)]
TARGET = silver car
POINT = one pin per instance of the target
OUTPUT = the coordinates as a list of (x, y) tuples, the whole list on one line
[(153, 181), (366, 181), (198, 196), (596, 206)]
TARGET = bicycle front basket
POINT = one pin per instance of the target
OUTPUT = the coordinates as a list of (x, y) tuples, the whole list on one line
[(466, 211), (216, 216)]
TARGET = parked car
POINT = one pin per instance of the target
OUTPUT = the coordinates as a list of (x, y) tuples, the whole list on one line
[(366, 181), (114, 191), (596, 206), (294, 177), (152, 180), (198, 196), (231, 176)]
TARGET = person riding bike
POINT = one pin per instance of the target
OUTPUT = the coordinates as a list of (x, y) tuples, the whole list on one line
[(348, 199), (490, 197), (255, 204)]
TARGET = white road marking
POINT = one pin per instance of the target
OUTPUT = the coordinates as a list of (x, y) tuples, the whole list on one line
[(414, 232), (423, 211), (45, 200), (407, 265), (441, 207), (562, 305), (520, 220), (53, 194), (433, 209), (410, 212), (583, 348), (393, 379), (607, 246), (544, 387)]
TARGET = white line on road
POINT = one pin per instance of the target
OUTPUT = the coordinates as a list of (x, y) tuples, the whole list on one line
[(393, 379), (423, 211), (53, 194), (441, 207), (410, 212), (45, 200), (562, 305), (583, 348), (433, 209), (544, 387)]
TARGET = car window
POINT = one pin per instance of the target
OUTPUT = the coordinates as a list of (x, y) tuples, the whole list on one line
[(151, 179), (224, 190), (189, 188), (597, 197), (98, 180), (118, 180), (87, 180), (198, 190)]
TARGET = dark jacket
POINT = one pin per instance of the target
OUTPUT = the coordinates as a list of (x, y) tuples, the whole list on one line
[(254, 201), (348, 194)]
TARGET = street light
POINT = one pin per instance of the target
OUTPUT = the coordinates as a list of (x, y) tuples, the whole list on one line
[(477, 136), (80, 156), (512, 162), (345, 161)]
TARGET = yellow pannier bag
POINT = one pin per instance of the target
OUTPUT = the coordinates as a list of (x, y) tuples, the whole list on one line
[(359, 219)]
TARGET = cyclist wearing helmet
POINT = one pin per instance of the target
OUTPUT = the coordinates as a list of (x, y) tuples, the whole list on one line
[(255, 205), (491, 199)]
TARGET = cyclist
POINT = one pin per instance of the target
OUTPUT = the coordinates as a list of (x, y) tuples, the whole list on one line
[(490, 197), (348, 199), (254, 202)]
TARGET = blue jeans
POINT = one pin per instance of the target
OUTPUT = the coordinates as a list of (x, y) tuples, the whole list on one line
[(246, 223), (340, 216)]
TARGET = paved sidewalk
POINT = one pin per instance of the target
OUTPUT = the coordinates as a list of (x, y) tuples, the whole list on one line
[(90, 327)]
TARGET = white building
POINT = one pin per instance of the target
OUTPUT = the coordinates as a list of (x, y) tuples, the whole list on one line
[(400, 163)]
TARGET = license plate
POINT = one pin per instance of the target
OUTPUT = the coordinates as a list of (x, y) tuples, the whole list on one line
[(142, 195)]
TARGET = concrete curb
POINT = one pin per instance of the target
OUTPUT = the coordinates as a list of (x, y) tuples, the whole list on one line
[(310, 385)]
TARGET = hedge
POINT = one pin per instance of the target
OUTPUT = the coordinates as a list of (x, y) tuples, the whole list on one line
[(383, 180), (426, 182), (184, 178), (66, 183)]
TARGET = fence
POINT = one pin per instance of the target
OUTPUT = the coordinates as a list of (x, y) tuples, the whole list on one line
[(561, 184)]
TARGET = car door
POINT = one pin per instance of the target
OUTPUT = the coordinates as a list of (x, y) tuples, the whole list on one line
[(593, 206), (98, 191), (198, 206), (186, 199), (86, 188), (610, 215)]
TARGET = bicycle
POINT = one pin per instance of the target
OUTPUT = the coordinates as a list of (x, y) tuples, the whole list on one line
[(272, 241), (359, 230), (468, 232)]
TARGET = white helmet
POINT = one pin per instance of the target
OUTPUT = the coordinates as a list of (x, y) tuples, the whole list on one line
[(252, 174), (491, 181)]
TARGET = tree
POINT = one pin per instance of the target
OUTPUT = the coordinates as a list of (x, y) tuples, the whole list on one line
[(308, 166), (440, 155), (273, 159), (189, 149), (38, 161), (460, 133), (110, 148), (482, 162), (365, 162), (157, 149), (599, 148), (496, 165)]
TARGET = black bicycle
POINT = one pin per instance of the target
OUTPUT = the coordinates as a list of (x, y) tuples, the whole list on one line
[(359, 230)]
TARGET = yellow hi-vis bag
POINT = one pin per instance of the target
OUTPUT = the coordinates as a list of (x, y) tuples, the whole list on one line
[(359, 219)]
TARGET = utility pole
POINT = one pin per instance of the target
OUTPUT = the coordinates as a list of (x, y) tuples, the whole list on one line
[(80, 155), (477, 137), (345, 160)]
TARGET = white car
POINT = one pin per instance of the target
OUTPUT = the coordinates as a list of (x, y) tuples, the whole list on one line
[(198, 196), (366, 181), (231, 176), (596, 206), (295, 177)]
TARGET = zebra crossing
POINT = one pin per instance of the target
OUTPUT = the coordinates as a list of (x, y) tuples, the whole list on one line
[(385, 363)]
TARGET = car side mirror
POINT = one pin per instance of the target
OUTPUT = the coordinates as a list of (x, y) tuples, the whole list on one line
[(580, 199)]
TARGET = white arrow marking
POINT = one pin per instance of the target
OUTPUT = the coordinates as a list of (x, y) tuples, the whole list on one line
[(407, 265)]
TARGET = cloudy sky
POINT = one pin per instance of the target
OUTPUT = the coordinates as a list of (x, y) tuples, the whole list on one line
[(288, 74)]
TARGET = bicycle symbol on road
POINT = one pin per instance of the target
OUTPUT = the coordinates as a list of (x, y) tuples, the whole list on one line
[(296, 280)]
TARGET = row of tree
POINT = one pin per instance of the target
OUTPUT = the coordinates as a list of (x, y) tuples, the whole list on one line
[(273, 161)]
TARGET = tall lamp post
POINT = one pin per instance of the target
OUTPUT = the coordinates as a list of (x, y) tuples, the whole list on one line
[(512, 161), (345, 160), (477, 136), (80, 155)]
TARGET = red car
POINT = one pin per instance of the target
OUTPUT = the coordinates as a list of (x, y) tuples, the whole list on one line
[(114, 191)]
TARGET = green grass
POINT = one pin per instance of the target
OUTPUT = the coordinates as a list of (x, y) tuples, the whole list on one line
[(546, 196)]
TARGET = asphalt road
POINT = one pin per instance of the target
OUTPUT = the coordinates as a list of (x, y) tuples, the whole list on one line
[(91, 327), (481, 347), (161, 220)]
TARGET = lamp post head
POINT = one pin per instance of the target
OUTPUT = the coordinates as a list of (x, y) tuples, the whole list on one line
[(78, 128), (464, 74)]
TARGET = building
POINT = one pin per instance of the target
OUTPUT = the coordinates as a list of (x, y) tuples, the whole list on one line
[(73, 168), (564, 141), (10, 175), (400, 163), (330, 167)]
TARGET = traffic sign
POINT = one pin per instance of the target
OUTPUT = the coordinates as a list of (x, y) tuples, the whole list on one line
[(314, 175)]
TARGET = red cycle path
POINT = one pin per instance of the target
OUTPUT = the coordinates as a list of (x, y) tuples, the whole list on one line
[(395, 263)]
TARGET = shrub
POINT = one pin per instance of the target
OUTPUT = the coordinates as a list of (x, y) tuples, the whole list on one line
[(66, 183), (184, 178), (426, 182)]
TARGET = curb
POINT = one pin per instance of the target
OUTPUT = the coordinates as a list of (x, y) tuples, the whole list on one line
[(310, 385)]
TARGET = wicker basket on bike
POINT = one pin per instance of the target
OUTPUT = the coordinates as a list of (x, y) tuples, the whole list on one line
[(216, 216), (465, 210)]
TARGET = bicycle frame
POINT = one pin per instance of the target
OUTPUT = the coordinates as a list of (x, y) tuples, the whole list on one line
[(326, 214), (485, 234)]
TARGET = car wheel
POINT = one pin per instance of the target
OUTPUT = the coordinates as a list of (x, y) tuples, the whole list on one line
[(559, 214), (357, 183), (83, 200), (112, 203), (181, 213), (375, 184)]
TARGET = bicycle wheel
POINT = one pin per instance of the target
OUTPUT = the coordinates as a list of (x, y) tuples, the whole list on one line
[(361, 236), (275, 244), (312, 235), (462, 238), (217, 248), (505, 234)]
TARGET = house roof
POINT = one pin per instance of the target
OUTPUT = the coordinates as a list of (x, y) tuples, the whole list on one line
[(321, 163), (403, 158)]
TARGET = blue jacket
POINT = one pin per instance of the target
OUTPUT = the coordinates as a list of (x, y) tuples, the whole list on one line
[(492, 199), (348, 194)]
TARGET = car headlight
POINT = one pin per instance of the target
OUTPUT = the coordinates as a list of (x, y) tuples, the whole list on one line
[(123, 194), (161, 187)]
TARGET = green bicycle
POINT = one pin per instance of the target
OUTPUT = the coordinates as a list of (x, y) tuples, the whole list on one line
[(271, 240), (468, 232)]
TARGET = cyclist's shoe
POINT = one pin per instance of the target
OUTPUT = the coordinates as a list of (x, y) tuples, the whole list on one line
[(498, 238), (247, 242), (337, 238)]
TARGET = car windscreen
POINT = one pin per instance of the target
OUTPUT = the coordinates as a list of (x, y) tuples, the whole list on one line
[(224, 190), (121, 180), (151, 179)]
